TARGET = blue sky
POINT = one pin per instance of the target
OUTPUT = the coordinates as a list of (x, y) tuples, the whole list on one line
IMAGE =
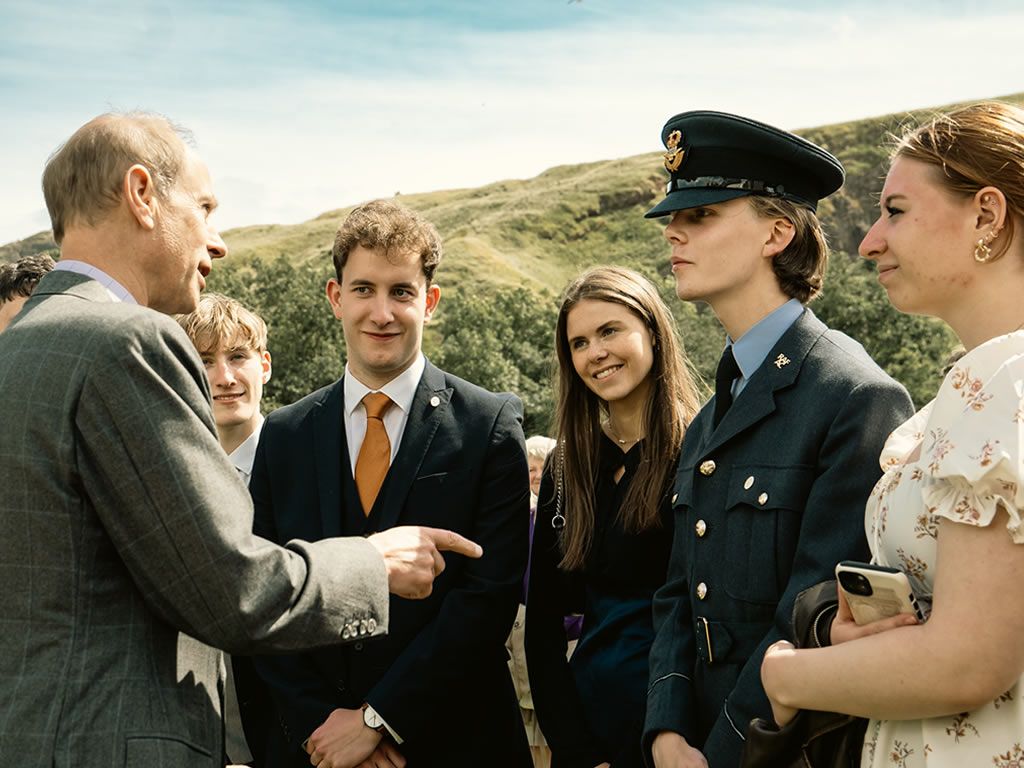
[(306, 106)]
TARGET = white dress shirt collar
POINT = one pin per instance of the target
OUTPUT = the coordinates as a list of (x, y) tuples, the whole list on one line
[(401, 389), (245, 454), (115, 290)]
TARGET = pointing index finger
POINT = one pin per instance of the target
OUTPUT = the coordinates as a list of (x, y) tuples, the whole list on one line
[(452, 542)]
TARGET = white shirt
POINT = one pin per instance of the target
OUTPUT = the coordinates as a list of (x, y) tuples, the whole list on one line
[(245, 454), (753, 347), (400, 389), (234, 737), (115, 290)]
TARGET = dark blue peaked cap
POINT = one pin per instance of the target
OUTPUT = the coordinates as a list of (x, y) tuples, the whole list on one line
[(713, 157)]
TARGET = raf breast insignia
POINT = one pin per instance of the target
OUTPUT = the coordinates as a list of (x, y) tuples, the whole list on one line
[(674, 156), (782, 360)]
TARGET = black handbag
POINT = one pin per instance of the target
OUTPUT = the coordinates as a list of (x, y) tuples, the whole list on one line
[(811, 739)]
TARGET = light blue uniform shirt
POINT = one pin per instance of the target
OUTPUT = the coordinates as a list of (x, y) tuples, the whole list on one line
[(753, 347)]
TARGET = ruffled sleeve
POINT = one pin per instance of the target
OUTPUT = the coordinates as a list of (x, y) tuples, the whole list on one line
[(973, 444)]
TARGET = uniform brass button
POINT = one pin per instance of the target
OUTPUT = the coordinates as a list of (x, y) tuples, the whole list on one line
[(702, 591), (748, 482), (701, 528), (762, 499), (674, 497), (707, 468)]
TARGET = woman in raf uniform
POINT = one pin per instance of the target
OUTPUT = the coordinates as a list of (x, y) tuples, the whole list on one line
[(603, 529), (946, 693), (776, 468)]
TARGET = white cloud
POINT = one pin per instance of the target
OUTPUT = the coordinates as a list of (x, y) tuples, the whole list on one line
[(510, 104)]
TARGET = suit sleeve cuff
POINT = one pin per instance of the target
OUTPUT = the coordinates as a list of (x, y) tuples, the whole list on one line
[(667, 708)]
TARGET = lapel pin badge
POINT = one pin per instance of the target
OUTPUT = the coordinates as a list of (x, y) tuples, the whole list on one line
[(435, 401), (781, 360)]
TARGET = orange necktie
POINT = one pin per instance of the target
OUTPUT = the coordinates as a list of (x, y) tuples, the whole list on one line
[(375, 452)]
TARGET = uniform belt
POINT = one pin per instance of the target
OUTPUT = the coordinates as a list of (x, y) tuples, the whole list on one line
[(724, 642)]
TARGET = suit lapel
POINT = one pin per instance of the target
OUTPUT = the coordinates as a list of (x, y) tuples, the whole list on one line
[(429, 407), (331, 453), (778, 371)]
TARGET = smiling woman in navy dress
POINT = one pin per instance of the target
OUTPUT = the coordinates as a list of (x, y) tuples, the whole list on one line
[(604, 525)]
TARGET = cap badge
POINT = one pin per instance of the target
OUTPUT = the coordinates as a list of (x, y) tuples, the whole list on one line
[(674, 156)]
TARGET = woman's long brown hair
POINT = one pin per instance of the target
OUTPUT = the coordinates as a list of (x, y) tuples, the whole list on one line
[(670, 407)]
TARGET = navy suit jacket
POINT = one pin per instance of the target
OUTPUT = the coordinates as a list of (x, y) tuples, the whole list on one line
[(440, 677), (765, 506)]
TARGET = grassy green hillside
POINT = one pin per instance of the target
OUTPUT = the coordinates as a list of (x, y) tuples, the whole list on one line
[(517, 242)]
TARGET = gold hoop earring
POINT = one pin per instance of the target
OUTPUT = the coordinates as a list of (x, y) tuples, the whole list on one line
[(982, 253)]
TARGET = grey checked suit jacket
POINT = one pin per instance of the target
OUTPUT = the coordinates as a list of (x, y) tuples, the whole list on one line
[(126, 548)]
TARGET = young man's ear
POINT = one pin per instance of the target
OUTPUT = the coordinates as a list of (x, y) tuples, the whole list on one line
[(333, 290), (139, 191), (266, 366), (779, 238), (433, 297)]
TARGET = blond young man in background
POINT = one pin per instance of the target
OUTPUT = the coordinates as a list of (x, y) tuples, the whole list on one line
[(232, 343)]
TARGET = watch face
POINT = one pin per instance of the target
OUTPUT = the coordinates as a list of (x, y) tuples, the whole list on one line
[(372, 719)]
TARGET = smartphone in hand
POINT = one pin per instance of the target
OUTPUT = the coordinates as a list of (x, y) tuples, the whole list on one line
[(876, 592)]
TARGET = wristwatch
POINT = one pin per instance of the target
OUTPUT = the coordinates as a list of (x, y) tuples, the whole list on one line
[(372, 720)]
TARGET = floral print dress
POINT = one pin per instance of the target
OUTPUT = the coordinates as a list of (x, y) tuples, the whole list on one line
[(958, 458)]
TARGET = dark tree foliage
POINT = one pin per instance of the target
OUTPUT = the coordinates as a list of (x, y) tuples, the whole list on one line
[(502, 338), (911, 349)]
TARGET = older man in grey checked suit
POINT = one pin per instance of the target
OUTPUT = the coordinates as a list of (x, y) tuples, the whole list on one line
[(125, 544)]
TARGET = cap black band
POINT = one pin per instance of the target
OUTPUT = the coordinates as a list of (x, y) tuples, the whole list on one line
[(721, 182)]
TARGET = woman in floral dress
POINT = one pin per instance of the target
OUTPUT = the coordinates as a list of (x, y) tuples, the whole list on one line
[(946, 693)]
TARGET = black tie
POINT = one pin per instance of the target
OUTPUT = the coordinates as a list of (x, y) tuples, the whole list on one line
[(724, 377)]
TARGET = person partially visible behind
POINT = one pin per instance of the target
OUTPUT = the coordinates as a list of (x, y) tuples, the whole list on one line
[(17, 281), (604, 521), (232, 343), (537, 449), (949, 243)]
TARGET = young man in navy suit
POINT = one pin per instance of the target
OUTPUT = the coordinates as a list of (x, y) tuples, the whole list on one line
[(397, 441)]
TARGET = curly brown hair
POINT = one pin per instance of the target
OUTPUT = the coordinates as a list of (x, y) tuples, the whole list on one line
[(391, 229)]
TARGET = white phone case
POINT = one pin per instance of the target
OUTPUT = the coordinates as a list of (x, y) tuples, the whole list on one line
[(875, 592)]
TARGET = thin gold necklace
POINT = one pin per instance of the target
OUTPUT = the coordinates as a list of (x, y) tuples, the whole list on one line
[(615, 435)]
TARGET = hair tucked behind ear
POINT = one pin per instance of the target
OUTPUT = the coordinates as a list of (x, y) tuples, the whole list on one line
[(800, 268), (977, 146)]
